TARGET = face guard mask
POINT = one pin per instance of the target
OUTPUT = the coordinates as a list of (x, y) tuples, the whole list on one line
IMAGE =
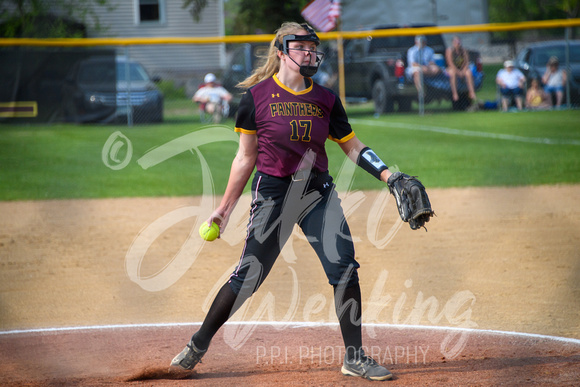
[(310, 69)]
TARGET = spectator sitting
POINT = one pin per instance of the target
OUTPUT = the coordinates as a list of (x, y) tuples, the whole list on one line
[(420, 61), (213, 98), (511, 82), (554, 80), (537, 98), (458, 66)]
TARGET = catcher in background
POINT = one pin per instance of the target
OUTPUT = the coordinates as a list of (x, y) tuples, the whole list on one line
[(284, 120)]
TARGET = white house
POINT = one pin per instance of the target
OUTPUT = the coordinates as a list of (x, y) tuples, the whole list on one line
[(165, 18)]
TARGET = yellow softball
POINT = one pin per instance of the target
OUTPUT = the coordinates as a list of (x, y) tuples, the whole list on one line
[(209, 233)]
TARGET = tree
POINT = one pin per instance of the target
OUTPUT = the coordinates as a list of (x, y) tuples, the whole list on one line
[(252, 16), (195, 7), (571, 7), (266, 16), (506, 11), (501, 11), (36, 18)]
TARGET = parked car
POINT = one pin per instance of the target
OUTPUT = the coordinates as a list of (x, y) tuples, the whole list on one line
[(108, 89), (532, 61)]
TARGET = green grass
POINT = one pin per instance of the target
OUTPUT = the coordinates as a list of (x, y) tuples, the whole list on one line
[(66, 161), (458, 160)]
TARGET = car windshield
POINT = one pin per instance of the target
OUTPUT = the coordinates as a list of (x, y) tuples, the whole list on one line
[(542, 55), (136, 72), (392, 42), (96, 72), (396, 42)]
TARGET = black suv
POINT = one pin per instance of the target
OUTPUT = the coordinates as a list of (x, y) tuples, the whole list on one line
[(108, 89)]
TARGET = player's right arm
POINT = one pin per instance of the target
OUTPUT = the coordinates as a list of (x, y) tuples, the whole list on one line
[(240, 172)]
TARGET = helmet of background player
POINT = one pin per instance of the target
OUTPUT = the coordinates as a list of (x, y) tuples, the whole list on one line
[(209, 78), (310, 69)]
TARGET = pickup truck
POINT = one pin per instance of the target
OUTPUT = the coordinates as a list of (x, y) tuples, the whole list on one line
[(375, 69)]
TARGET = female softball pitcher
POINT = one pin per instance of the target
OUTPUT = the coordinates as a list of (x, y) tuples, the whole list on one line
[(284, 120)]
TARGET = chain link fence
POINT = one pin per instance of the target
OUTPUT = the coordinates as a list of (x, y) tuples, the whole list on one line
[(111, 84)]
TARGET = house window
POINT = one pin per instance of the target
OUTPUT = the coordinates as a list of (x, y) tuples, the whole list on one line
[(150, 11)]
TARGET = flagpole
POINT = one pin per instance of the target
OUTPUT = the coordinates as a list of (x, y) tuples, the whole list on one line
[(325, 15), (340, 51)]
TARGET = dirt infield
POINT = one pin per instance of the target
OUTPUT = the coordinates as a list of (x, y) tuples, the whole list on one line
[(493, 259), (299, 356)]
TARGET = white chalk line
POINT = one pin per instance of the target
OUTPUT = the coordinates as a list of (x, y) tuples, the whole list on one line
[(460, 132), (295, 324)]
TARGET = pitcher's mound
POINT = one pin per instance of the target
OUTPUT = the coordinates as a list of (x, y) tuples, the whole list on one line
[(260, 354)]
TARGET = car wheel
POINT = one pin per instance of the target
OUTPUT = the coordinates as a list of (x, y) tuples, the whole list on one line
[(159, 114), (71, 113), (383, 103), (405, 104)]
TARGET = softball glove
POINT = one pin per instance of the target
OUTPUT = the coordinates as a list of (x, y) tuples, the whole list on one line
[(412, 199)]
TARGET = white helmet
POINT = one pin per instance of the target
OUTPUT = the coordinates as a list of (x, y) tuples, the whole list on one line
[(209, 78)]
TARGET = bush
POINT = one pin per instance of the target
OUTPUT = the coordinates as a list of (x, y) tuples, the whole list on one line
[(171, 91)]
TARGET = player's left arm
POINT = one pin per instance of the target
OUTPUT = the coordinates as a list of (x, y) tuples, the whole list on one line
[(410, 194), (366, 158), (342, 133)]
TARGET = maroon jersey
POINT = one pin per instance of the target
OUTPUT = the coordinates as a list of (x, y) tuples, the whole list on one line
[(288, 123)]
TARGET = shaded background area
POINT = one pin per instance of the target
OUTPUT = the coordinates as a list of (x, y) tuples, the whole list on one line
[(49, 78)]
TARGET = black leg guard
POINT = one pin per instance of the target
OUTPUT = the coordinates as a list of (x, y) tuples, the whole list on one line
[(347, 302)]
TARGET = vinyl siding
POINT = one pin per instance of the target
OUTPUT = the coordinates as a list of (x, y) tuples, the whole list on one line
[(159, 59)]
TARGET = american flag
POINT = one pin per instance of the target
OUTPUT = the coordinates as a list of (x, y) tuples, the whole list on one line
[(322, 14)]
